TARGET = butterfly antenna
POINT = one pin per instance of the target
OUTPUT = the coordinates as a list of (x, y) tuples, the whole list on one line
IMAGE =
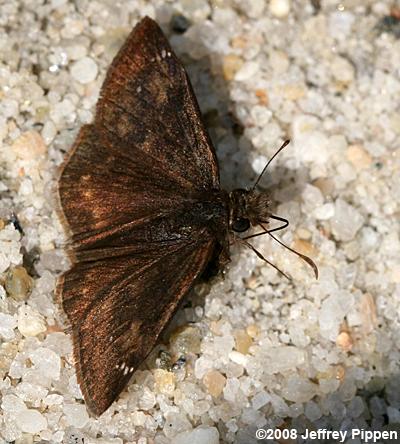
[(305, 258), (284, 144), (248, 244), (285, 223)]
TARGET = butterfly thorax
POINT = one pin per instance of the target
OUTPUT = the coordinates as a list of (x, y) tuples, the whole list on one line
[(247, 207), (206, 212)]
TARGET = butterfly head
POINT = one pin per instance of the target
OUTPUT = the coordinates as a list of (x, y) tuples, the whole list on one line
[(248, 208)]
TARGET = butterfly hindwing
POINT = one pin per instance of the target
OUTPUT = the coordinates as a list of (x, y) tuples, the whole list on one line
[(118, 308)]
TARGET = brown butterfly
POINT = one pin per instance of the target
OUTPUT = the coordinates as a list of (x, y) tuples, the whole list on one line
[(141, 196)]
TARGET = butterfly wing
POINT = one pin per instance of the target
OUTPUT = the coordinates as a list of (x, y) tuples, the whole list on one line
[(119, 306), (144, 159), (147, 102), (147, 144), (103, 190)]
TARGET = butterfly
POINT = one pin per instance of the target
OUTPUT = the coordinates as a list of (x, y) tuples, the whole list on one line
[(141, 198)]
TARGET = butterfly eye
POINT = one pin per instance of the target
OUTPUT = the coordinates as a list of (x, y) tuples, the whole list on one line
[(240, 225)]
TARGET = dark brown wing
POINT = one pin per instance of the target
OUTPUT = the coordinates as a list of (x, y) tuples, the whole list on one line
[(104, 191), (147, 104), (141, 162), (118, 307), (147, 144)]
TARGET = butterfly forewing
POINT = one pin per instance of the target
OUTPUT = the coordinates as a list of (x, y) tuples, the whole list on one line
[(134, 195), (104, 192), (147, 102)]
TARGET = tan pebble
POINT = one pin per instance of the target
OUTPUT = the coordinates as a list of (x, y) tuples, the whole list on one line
[(303, 233), (325, 184), (330, 373), (253, 330), (293, 92), (252, 282), (215, 327), (29, 145), (324, 375), (179, 396), (358, 156), (2, 224), (395, 12), (325, 231), (185, 340), (214, 382), (25, 438), (304, 247), (262, 96), (8, 351), (239, 42), (41, 113), (344, 341), (12, 126), (368, 313), (342, 71), (230, 65), (279, 61), (18, 283), (164, 382), (55, 329), (340, 373), (243, 341)]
